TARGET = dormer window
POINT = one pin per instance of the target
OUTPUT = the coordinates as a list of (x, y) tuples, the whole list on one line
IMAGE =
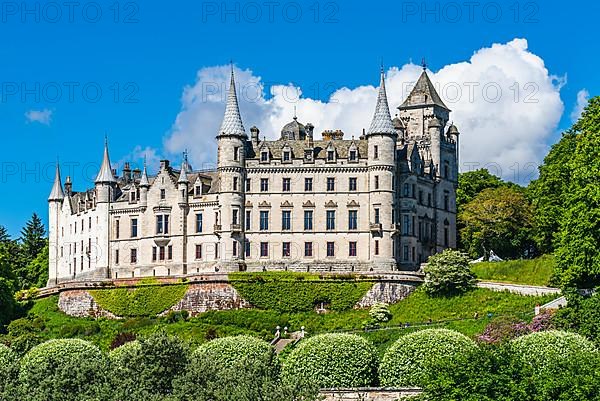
[(330, 155), (198, 190), (352, 155), (163, 194), (286, 156), (264, 156)]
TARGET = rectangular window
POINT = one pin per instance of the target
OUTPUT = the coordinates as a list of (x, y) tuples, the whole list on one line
[(352, 248), (330, 155), (264, 220), (375, 152), (406, 190), (406, 253), (117, 228), (331, 219), (235, 216), (446, 201), (161, 253), (236, 153), (264, 184), (248, 219), (405, 225), (117, 256), (376, 247), (420, 197), (134, 226), (286, 156), (352, 219), (352, 184), (352, 156), (264, 156), (198, 222), (286, 250), (163, 194), (134, 256), (264, 249), (330, 183), (286, 220), (414, 191), (376, 215), (247, 248), (162, 224), (376, 182), (248, 184), (286, 185), (414, 254), (235, 248), (446, 237), (198, 190), (330, 249), (308, 249), (154, 254), (235, 183), (428, 199), (308, 184), (170, 252), (308, 219), (198, 251)]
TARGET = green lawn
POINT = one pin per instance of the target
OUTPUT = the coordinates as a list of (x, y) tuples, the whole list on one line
[(533, 272)]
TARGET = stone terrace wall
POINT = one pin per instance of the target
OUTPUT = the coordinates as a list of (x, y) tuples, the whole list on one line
[(385, 291), (369, 394), (79, 303), (210, 296)]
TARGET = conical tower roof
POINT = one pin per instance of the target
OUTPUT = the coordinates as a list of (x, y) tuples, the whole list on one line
[(144, 178), (382, 119), (57, 193), (423, 93), (232, 121), (183, 178), (105, 174)]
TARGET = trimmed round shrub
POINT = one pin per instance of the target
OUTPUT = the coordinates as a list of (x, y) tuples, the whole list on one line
[(545, 348), (228, 350), (63, 370), (125, 353), (332, 360), (407, 361), (9, 369)]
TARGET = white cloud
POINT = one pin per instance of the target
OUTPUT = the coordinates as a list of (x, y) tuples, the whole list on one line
[(39, 116), (582, 100), (136, 158), (505, 103)]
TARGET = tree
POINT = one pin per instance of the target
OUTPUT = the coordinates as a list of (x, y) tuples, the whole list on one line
[(8, 306), (578, 252), (4, 235), (448, 273), (33, 237), (548, 192), (37, 269), (498, 219), (471, 183)]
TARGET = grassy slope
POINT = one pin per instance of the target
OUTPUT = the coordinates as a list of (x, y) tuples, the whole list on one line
[(416, 309), (533, 272)]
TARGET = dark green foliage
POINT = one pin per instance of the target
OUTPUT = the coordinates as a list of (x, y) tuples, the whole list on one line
[(448, 273), (9, 371), (145, 369), (332, 360), (578, 253), (33, 237), (227, 350), (498, 219), (295, 292), (37, 269), (582, 315), (244, 379), (65, 370), (471, 183), (141, 301), (8, 305)]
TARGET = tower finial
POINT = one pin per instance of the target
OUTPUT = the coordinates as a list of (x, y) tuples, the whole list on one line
[(295, 116), (232, 120), (105, 175), (382, 120), (57, 193), (423, 63)]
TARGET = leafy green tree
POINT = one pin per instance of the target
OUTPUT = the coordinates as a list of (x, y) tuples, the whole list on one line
[(9, 370), (448, 273), (582, 315), (33, 237), (145, 369), (471, 183), (549, 191), (498, 219), (37, 269), (8, 305), (578, 252)]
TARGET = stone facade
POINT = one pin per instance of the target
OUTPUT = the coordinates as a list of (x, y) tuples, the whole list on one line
[(385, 291), (206, 297), (383, 201), (79, 303)]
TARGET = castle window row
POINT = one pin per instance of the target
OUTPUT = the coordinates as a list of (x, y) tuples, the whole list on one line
[(286, 184)]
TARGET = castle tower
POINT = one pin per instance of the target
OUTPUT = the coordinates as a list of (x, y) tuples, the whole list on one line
[(55, 203), (381, 138), (106, 186), (231, 172), (144, 185)]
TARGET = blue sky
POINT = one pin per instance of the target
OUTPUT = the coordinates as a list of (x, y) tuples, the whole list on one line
[(141, 56)]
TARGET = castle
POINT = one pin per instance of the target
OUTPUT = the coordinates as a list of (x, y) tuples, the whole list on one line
[(383, 202)]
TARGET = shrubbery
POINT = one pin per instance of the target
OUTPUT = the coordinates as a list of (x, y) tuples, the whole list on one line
[(333, 360), (9, 369), (295, 292), (141, 301), (407, 361), (448, 273), (63, 370), (228, 350)]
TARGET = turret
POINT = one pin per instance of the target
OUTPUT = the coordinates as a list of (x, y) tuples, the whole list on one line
[(183, 181), (254, 132), (453, 134), (55, 201), (105, 180), (144, 185), (68, 186), (231, 155), (435, 136)]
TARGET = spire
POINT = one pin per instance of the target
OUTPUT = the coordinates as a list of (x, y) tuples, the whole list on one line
[(382, 120), (57, 193), (105, 174), (144, 178), (183, 178), (423, 93), (232, 121)]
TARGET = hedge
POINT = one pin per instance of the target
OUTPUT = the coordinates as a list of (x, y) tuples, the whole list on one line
[(9, 369), (332, 360), (228, 350), (406, 362), (140, 301), (297, 292), (63, 370), (545, 348)]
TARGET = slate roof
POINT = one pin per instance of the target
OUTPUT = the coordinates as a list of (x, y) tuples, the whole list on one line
[(423, 87)]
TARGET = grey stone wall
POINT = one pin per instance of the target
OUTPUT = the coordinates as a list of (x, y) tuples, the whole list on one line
[(210, 296), (388, 292), (369, 394), (80, 303)]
